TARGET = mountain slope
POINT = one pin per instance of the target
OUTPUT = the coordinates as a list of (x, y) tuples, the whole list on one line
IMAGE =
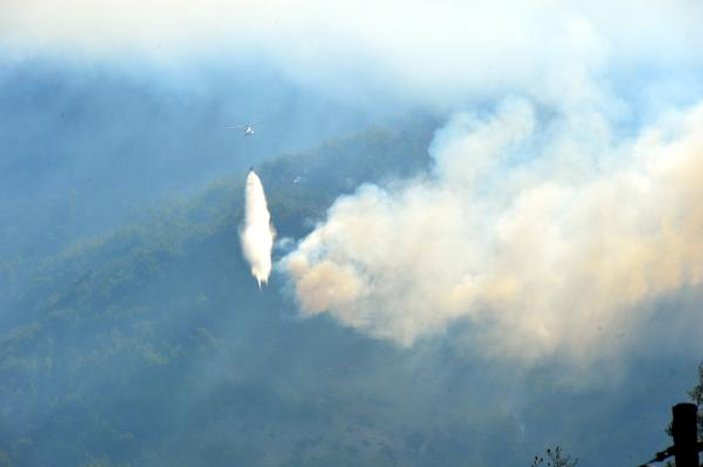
[(153, 346), (104, 348)]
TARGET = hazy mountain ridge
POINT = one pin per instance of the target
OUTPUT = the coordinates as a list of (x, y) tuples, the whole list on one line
[(94, 315), (534, 281), (152, 345)]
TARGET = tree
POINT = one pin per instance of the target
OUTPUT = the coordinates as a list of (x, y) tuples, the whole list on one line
[(555, 458), (696, 396)]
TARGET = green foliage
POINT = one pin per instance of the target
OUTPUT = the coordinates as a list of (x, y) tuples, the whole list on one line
[(114, 333)]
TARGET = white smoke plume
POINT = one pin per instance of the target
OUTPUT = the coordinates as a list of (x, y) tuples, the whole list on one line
[(543, 233), (257, 234)]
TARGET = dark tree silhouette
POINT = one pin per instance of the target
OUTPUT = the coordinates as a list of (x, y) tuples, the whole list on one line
[(696, 396), (555, 458)]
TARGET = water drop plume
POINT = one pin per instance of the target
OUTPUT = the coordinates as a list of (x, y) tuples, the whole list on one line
[(257, 234)]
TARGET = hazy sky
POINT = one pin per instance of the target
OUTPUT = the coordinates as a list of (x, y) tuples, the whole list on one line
[(561, 201), (436, 53)]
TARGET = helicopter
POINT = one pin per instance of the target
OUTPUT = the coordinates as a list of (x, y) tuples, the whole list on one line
[(248, 128)]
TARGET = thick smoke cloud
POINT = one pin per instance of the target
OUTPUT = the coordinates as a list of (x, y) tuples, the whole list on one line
[(544, 241), (257, 234)]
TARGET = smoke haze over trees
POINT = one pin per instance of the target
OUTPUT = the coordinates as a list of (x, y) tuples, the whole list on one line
[(487, 216)]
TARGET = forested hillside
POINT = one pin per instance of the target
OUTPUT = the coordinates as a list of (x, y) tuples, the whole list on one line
[(152, 345)]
